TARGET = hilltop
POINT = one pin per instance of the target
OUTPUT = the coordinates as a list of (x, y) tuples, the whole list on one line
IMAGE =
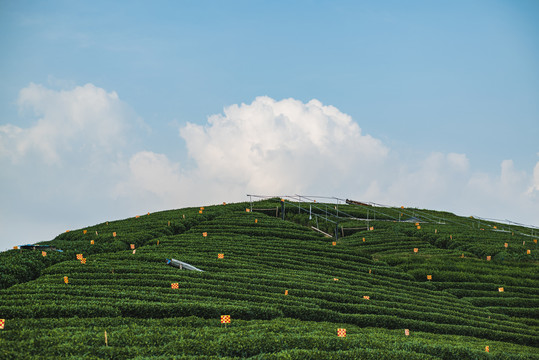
[(404, 283)]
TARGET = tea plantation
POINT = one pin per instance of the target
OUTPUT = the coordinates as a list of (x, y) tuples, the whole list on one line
[(404, 283)]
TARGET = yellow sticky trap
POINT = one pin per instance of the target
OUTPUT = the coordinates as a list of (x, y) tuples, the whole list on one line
[(363, 239), (15, 248), (500, 289), (183, 216), (535, 241), (528, 251), (341, 332), (84, 231), (487, 349), (200, 211), (92, 242), (137, 216), (462, 256), (429, 277), (402, 207), (114, 234), (371, 228), (2, 323), (132, 246), (407, 332), (451, 237), (224, 203), (79, 256), (366, 297), (225, 319), (436, 231), (488, 257), (175, 286), (83, 261), (157, 242), (416, 250), (506, 245), (205, 234), (169, 223), (335, 279), (418, 227), (220, 256), (134, 251), (67, 231), (416, 224), (370, 271), (286, 292), (148, 213), (256, 221), (66, 280), (247, 210), (44, 253), (334, 243)]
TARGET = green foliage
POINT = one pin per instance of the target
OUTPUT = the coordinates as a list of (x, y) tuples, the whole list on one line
[(454, 315)]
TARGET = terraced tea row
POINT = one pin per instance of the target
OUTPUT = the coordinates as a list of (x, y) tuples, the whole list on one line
[(273, 272)]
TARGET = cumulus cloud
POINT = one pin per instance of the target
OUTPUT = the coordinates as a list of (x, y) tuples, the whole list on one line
[(61, 161), (285, 147), (535, 183), (152, 173), (272, 146), (86, 119)]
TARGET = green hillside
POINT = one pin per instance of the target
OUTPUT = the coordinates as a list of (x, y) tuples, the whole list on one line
[(287, 287)]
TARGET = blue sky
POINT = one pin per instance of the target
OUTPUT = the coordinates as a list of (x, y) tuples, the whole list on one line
[(110, 109)]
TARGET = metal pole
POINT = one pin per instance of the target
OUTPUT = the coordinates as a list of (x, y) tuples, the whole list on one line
[(326, 212)]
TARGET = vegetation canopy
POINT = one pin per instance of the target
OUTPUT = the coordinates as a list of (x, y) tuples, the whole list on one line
[(295, 280)]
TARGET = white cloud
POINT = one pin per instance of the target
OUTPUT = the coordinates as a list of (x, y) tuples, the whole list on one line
[(84, 120), (285, 147), (61, 167), (458, 162), (272, 146), (269, 147), (535, 183), (152, 173)]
